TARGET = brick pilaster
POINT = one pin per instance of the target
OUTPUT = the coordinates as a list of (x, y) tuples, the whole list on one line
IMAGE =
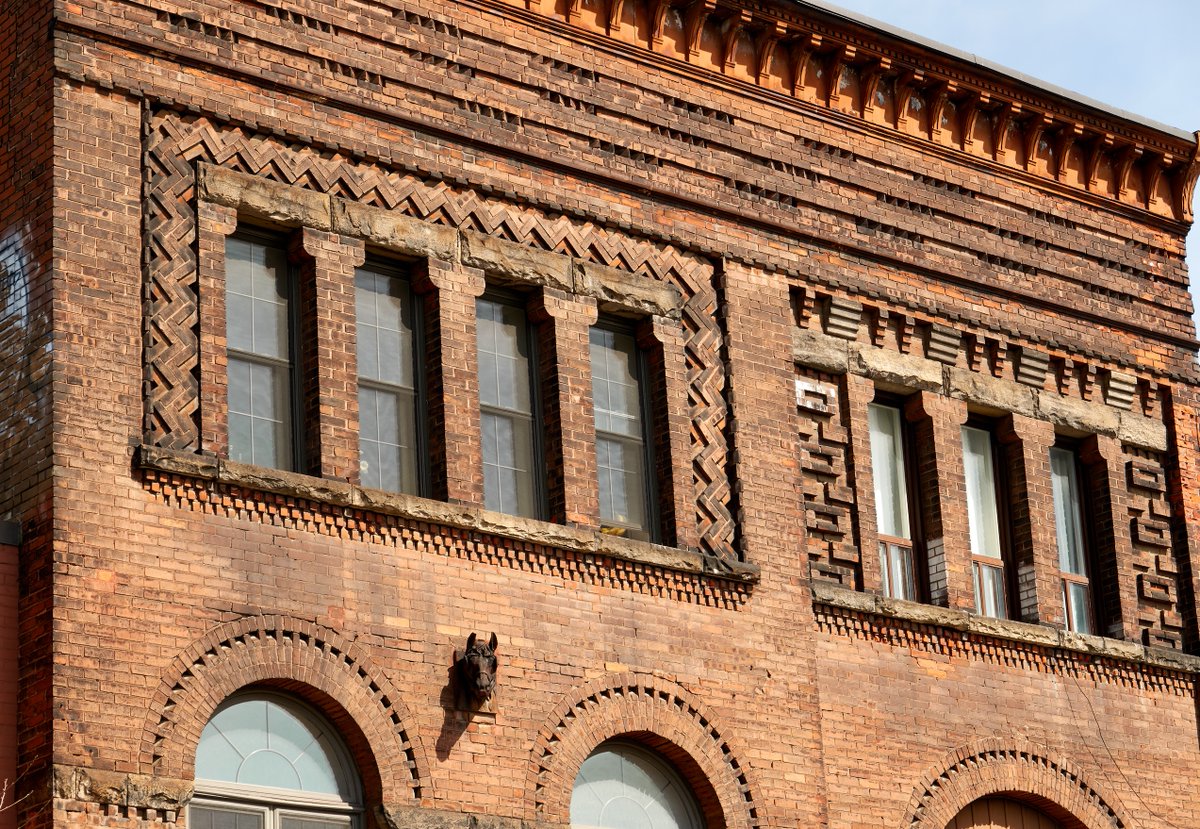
[(663, 341), (449, 290), (937, 426), (1114, 585), (328, 360), (1033, 546), (1183, 487), (214, 223), (565, 371)]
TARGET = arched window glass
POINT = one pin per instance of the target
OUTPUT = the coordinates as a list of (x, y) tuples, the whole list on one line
[(623, 786), (267, 762)]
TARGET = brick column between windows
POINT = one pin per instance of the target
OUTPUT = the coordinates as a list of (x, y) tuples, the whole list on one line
[(860, 391), (214, 223), (1034, 545), (565, 372), (328, 360), (1182, 410), (662, 339), (938, 422), (452, 367), (1116, 581)]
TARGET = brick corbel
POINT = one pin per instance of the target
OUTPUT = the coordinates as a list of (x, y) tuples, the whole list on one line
[(449, 290)]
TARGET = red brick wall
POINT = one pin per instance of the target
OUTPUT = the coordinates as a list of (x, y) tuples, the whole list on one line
[(167, 591), (9, 675)]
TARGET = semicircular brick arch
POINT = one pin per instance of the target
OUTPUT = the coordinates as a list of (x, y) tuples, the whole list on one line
[(1020, 770), (661, 715), (307, 660)]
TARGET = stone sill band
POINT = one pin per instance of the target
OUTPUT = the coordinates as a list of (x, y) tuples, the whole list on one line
[(831, 595), (461, 516)]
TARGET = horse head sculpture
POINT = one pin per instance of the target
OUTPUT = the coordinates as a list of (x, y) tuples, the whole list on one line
[(476, 671)]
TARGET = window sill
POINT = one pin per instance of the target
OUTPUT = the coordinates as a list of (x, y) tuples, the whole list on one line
[(460, 516), (1045, 636)]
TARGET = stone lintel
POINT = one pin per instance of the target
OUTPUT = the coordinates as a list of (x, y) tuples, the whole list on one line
[(408, 816), (893, 371), (518, 263), (120, 789), (395, 231), (622, 292), (260, 198)]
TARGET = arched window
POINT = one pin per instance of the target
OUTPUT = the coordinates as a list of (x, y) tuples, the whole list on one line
[(1000, 813), (266, 761), (623, 786)]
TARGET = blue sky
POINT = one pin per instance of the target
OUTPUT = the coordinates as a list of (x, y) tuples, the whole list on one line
[(1143, 57)]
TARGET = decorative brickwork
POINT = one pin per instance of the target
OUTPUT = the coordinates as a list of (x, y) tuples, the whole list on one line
[(668, 719), (322, 518), (1034, 774), (826, 469), (1158, 614), (173, 145), (337, 676)]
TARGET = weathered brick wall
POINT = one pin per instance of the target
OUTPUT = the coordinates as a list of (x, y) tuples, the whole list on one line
[(175, 585)]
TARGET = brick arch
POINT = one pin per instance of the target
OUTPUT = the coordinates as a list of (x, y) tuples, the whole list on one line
[(658, 714), (306, 660), (1020, 770)]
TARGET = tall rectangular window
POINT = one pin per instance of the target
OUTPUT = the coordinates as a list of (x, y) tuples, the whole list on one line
[(1072, 549), (890, 471), (260, 327), (984, 519), (513, 473), (388, 362), (622, 454)]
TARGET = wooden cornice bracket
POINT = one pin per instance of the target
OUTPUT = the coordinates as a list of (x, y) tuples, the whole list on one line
[(616, 9), (1004, 117), (906, 83), (968, 115), (769, 34), (658, 14), (1064, 141), (573, 10), (1186, 183), (1099, 146), (837, 59), (733, 27), (803, 48), (1033, 127), (938, 96), (1122, 164), (1152, 165), (693, 23), (869, 77)]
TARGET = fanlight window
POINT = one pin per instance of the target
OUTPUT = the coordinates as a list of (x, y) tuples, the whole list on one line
[(623, 786), (267, 762)]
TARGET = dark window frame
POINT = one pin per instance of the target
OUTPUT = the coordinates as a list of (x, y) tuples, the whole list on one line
[(515, 299), (650, 447), (1084, 499), (404, 271), (1004, 494), (280, 241), (912, 485)]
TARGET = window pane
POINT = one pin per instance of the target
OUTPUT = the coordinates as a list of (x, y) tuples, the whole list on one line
[(982, 508), (989, 590), (1068, 519), (621, 786), (887, 466), (1078, 604), (259, 391), (387, 399), (508, 474), (898, 572), (289, 822), (620, 441), (207, 817)]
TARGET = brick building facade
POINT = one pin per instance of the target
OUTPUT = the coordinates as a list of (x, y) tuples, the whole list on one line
[(853, 383)]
